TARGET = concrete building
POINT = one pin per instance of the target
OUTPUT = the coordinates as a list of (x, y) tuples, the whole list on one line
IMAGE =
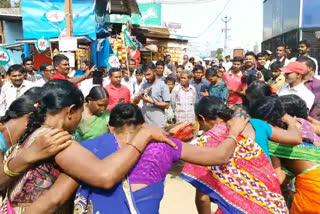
[(290, 21)]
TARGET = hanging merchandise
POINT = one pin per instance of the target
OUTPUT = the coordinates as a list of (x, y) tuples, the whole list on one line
[(42, 45), (112, 61), (4, 56)]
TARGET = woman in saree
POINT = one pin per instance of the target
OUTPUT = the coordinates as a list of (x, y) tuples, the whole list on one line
[(247, 183), (143, 188), (95, 116), (301, 162), (60, 106), (14, 126)]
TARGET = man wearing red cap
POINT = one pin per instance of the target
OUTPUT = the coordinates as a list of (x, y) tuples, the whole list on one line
[(294, 83)]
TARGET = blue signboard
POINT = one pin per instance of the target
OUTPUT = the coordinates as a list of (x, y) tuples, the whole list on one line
[(310, 13), (46, 18)]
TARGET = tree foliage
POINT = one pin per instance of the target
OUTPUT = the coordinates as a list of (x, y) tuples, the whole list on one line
[(5, 4), (219, 53)]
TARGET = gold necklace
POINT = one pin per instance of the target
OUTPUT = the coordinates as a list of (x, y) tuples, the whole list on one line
[(126, 133)]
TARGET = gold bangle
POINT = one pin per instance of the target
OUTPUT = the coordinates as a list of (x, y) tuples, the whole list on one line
[(7, 171)]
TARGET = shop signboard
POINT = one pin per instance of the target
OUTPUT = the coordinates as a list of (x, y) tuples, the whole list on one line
[(46, 18), (150, 16)]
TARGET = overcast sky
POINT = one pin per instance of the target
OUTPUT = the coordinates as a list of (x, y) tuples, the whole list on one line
[(246, 22)]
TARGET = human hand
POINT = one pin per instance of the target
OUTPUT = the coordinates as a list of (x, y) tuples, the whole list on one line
[(204, 94), (152, 133), (148, 99), (236, 125), (89, 72), (289, 120), (48, 144)]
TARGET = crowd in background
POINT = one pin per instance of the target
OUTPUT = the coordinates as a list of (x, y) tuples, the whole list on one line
[(206, 102)]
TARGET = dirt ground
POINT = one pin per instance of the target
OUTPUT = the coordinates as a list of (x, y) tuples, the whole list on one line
[(179, 195)]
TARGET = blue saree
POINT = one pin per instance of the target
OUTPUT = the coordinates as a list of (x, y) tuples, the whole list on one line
[(119, 199)]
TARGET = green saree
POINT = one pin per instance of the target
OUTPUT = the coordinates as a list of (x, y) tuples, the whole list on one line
[(92, 127)]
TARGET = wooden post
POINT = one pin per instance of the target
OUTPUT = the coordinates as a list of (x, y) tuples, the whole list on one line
[(69, 17), (3, 39)]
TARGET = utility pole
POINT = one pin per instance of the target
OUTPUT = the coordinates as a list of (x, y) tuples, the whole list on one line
[(226, 19), (69, 17)]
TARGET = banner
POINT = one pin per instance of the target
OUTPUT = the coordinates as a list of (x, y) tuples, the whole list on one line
[(112, 61), (42, 45), (127, 39), (4, 56), (150, 16), (47, 18)]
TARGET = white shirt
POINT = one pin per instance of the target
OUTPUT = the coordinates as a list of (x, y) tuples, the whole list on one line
[(286, 62), (86, 86), (227, 65), (39, 83), (300, 90), (136, 89), (10, 93), (129, 83)]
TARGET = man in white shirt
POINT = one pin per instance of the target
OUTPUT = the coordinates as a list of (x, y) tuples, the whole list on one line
[(47, 72), (281, 56), (186, 64), (304, 50), (227, 64), (13, 89), (294, 83)]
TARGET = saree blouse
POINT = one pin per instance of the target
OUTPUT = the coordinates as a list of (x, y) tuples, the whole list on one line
[(92, 127)]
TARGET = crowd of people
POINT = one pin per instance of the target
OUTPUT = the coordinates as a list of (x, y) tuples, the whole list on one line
[(97, 141)]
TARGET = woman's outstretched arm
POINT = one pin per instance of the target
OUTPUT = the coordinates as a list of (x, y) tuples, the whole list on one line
[(219, 155), (83, 165)]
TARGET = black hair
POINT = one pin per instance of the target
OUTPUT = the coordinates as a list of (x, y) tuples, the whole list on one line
[(139, 70), (97, 76), (148, 66), (305, 42), (97, 93), (114, 70), (211, 72), (169, 78), (250, 53), (309, 62), (260, 55), (282, 45), (161, 63), (126, 114), (258, 89), (33, 92), (268, 109), (15, 67), (44, 66), (212, 107), (294, 106), (276, 66), (237, 59), (228, 56), (180, 66), (25, 104), (57, 59), (55, 95), (27, 59), (191, 58), (88, 63), (133, 60), (266, 53), (198, 68), (221, 60)]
